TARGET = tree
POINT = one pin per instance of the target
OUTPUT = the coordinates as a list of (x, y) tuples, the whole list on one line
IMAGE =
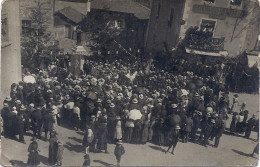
[(38, 45)]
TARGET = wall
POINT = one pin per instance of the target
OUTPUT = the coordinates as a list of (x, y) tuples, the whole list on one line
[(159, 31), (10, 51), (227, 27)]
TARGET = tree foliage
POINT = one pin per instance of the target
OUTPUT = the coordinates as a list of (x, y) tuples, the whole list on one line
[(38, 45)]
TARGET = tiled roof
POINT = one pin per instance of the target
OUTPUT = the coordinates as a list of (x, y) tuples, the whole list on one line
[(124, 6), (71, 14), (80, 6)]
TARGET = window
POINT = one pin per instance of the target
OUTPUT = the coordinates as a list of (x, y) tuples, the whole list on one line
[(68, 31), (171, 18), (210, 1), (235, 2), (26, 27), (158, 10), (208, 26), (4, 29), (257, 47)]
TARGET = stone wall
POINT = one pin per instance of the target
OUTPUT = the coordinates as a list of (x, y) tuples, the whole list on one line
[(10, 53), (162, 29)]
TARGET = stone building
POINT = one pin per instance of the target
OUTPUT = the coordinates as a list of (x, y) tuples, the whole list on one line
[(10, 47), (233, 25)]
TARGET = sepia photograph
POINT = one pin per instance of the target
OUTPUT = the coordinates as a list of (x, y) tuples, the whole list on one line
[(129, 83)]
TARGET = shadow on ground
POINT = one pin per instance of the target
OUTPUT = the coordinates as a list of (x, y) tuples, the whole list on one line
[(76, 139), (157, 148), (103, 163), (242, 153), (74, 147), (17, 163), (43, 159)]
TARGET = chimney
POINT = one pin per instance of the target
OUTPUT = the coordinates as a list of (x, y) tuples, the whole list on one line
[(88, 6)]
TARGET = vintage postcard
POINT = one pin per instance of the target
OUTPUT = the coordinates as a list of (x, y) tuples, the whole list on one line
[(129, 82)]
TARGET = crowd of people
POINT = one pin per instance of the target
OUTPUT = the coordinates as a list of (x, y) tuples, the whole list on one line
[(112, 102)]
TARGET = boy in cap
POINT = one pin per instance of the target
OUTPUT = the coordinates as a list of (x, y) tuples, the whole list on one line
[(119, 151)]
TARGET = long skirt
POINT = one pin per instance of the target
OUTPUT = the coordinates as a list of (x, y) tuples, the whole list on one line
[(128, 134), (144, 135)]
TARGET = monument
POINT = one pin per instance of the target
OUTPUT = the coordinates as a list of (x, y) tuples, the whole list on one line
[(78, 54)]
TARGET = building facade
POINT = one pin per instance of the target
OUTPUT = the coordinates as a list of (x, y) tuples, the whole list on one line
[(233, 25), (63, 17), (10, 47)]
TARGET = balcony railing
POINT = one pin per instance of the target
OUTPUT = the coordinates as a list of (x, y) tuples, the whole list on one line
[(208, 44)]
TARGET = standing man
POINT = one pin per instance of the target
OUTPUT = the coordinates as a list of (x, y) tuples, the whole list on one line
[(36, 121), (4, 113), (21, 123), (250, 125)]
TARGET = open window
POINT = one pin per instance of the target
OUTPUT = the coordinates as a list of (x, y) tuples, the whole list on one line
[(210, 1), (235, 2), (208, 26), (158, 10), (257, 47)]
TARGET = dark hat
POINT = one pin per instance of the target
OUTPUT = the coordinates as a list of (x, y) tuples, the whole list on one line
[(236, 95)]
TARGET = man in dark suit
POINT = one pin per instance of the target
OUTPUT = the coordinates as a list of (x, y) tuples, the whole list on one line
[(249, 127), (36, 121)]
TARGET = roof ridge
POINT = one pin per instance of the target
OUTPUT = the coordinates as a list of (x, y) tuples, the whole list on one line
[(142, 5)]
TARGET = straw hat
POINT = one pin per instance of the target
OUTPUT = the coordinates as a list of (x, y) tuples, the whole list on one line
[(135, 101)]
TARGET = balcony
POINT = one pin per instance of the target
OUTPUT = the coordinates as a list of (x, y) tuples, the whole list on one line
[(208, 44)]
